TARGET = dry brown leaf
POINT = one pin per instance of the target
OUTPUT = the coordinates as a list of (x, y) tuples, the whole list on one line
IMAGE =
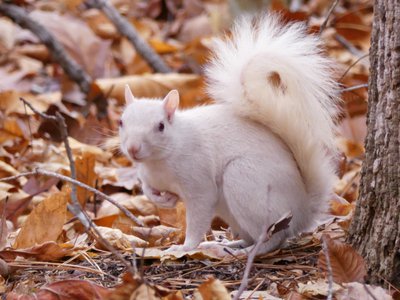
[(135, 289), (259, 295), (340, 206), (126, 177), (162, 47), (347, 265), (36, 51), (138, 205), (100, 24), (190, 87), (318, 288), (119, 240), (88, 50), (85, 173), (173, 217), (65, 290), (212, 289), (6, 170), (79, 149), (48, 251), (10, 103), (295, 296), (158, 235), (45, 222), (356, 291)]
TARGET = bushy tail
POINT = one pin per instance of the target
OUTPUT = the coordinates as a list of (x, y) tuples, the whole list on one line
[(275, 74)]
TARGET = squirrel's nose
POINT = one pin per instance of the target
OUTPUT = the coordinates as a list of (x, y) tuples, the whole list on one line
[(133, 151)]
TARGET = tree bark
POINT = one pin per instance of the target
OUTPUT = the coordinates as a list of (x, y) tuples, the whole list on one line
[(375, 230)]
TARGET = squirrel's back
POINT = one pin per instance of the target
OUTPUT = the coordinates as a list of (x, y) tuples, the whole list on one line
[(276, 75)]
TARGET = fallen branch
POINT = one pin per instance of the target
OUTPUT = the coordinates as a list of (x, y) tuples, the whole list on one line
[(38, 171), (129, 31), (323, 26), (69, 65)]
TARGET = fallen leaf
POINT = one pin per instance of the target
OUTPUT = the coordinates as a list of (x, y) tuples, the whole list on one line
[(158, 235), (340, 206), (135, 289), (212, 289), (80, 149), (48, 251), (346, 264), (45, 222), (174, 217), (4, 269), (138, 205), (190, 86), (66, 290), (85, 173), (318, 288), (88, 50), (356, 291), (119, 240)]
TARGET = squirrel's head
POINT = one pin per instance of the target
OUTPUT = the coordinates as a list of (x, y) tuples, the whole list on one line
[(146, 126)]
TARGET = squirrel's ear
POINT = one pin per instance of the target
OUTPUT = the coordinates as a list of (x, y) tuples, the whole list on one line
[(171, 103), (129, 98)]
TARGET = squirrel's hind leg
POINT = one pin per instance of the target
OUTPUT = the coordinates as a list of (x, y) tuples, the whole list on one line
[(249, 184)]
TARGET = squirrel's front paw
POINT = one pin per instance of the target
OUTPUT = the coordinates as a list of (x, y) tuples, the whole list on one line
[(167, 200), (162, 199)]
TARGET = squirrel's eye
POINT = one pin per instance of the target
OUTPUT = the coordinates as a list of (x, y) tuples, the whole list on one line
[(161, 126), (120, 123)]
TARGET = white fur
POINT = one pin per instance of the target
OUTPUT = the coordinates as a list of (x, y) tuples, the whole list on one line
[(259, 152), (303, 116)]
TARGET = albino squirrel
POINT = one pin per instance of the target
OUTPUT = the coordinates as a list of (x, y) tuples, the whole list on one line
[(264, 148)]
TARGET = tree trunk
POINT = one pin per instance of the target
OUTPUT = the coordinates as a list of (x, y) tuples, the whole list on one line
[(375, 230)]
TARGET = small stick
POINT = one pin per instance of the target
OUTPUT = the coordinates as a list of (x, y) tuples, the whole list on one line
[(78, 183), (352, 65), (69, 65), (353, 50), (129, 31), (59, 119), (329, 267), (323, 26), (355, 87)]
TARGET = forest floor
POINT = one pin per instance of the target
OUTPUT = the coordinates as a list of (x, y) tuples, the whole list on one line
[(46, 251)]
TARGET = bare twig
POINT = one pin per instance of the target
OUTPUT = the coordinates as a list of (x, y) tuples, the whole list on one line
[(69, 65), (329, 267), (266, 234), (353, 50), (43, 115), (78, 183), (352, 65), (323, 26), (129, 31), (59, 119), (355, 87)]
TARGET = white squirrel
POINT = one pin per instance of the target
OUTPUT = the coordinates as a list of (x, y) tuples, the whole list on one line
[(264, 148)]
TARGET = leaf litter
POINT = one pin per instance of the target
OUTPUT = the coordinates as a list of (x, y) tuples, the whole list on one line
[(46, 252)]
